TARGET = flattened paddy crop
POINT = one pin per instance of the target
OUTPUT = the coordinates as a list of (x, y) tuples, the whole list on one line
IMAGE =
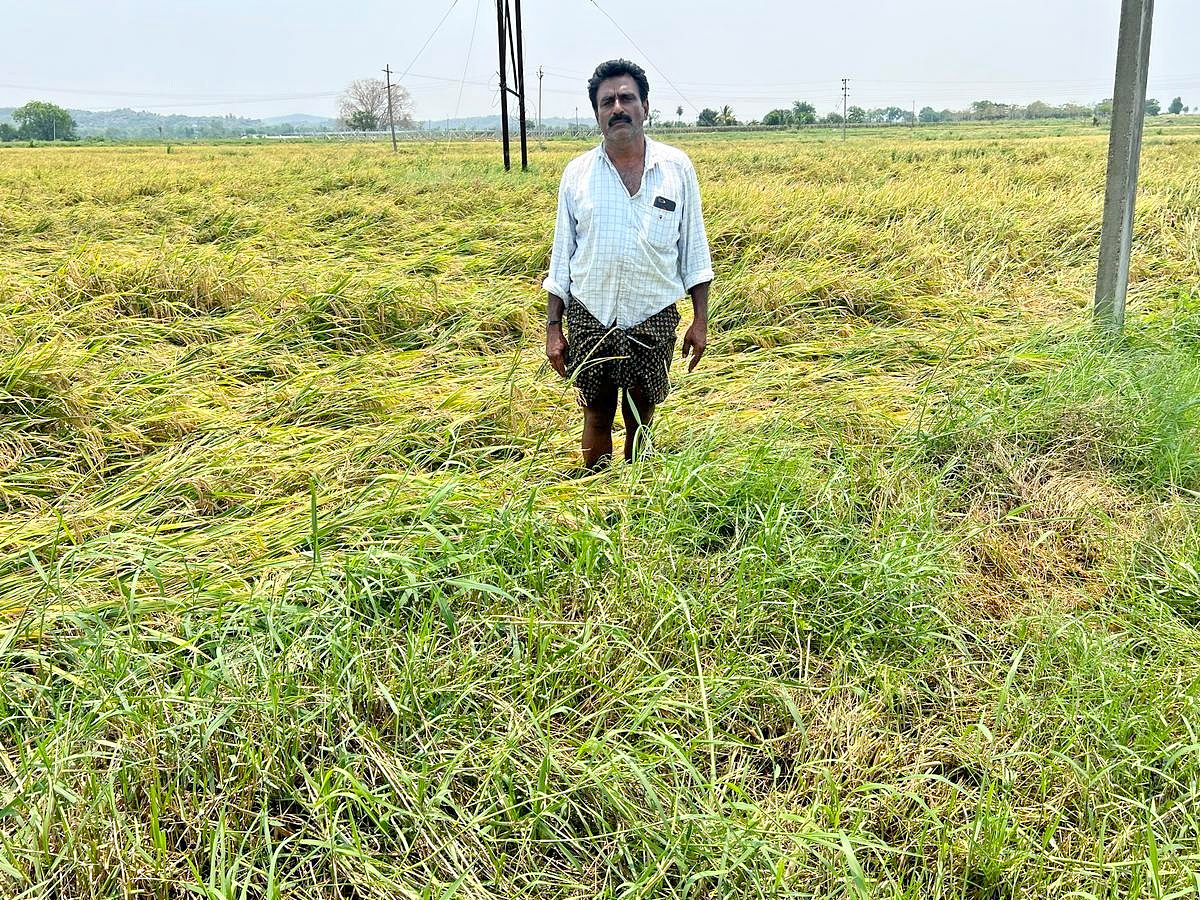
[(302, 597)]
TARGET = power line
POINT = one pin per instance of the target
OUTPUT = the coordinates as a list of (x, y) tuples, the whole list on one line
[(1101, 79), (938, 92), (453, 3), (470, 46), (646, 56), (147, 94)]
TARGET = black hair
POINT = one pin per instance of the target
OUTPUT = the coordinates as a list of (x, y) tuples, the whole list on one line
[(612, 69)]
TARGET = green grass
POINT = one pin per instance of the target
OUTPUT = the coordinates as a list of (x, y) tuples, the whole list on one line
[(301, 598)]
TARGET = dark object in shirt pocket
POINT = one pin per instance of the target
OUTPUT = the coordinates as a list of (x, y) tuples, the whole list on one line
[(661, 202)]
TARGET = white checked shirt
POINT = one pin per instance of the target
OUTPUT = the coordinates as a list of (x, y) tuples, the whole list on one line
[(626, 258)]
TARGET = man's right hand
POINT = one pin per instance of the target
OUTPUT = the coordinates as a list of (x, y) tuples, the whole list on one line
[(556, 349)]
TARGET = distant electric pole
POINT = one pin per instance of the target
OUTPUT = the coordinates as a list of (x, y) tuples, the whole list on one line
[(539, 98), (845, 94), (512, 50), (1124, 149), (387, 70)]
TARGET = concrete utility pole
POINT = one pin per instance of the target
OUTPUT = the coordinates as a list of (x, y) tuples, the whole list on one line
[(1124, 150), (387, 70), (845, 93), (539, 98)]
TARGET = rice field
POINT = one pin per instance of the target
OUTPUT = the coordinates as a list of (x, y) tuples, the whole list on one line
[(303, 595)]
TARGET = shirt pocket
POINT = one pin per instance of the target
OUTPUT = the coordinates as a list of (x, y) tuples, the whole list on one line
[(662, 227)]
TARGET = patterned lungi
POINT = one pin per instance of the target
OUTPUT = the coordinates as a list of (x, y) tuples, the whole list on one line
[(601, 356)]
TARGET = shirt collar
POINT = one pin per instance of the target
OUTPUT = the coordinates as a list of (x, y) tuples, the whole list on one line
[(653, 154)]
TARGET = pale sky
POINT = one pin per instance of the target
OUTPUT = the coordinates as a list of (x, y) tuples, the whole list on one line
[(274, 57)]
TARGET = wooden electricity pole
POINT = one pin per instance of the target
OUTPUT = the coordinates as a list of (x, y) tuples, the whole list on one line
[(387, 70), (1124, 150), (512, 51)]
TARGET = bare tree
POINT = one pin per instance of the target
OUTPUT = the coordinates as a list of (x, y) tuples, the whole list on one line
[(363, 106)]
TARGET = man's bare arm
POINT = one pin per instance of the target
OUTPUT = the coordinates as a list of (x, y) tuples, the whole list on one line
[(695, 339), (556, 344)]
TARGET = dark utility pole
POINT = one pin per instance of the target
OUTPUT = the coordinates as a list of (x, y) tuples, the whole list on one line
[(501, 10), (1124, 150), (539, 98), (512, 51), (520, 67), (387, 70)]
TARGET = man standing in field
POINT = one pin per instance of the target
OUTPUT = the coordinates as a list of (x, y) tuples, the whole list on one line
[(629, 241)]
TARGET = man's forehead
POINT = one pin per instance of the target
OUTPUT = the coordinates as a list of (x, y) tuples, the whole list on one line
[(618, 84)]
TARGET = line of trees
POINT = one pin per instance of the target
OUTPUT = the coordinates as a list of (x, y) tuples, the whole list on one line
[(804, 113), (125, 124), (363, 106)]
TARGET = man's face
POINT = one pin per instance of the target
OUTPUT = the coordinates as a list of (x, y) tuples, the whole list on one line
[(620, 111)]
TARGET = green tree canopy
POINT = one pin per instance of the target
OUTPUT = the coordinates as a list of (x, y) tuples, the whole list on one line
[(929, 114), (7, 132), (708, 117), (362, 120), (856, 114), (1153, 108), (803, 112), (778, 117), (38, 120), (1176, 106), (989, 109)]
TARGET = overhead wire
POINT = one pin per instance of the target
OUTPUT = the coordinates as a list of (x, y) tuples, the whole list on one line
[(436, 28), (646, 56), (470, 46)]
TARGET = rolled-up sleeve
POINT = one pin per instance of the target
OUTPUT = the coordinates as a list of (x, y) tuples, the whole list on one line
[(695, 263), (558, 281)]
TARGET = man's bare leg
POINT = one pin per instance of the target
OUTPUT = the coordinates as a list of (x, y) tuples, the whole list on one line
[(597, 430), (637, 414)]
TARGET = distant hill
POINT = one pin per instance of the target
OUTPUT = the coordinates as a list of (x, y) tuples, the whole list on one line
[(126, 123), (117, 124), (301, 119), (492, 123)]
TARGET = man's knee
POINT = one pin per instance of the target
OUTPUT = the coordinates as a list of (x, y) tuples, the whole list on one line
[(601, 410), (637, 406)]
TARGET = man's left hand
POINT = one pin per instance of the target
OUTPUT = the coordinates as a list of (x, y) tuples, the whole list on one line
[(695, 340)]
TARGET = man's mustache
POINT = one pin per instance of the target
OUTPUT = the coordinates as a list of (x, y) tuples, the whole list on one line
[(620, 117)]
